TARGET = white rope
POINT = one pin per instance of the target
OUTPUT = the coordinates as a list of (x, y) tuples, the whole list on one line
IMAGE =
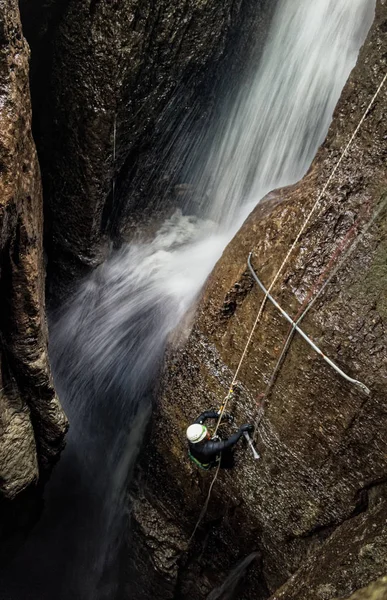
[(308, 218), (260, 311), (295, 326), (343, 259)]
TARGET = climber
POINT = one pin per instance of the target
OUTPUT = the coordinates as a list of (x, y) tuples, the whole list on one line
[(206, 452)]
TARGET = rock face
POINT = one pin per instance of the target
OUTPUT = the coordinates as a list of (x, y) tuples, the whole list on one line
[(32, 424), (110, 81), (375, 591), (315, 505)]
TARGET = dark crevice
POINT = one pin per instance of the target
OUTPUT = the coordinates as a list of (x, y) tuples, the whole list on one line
[(93, 7), (371, 486), (362, 504), (236, 295), (6, 311)]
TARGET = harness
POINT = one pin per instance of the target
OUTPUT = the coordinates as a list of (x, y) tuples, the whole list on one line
[(204, 466)]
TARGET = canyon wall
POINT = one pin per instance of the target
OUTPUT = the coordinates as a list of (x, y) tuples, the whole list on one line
[(109, 82), (314, 505), (32, 424), (116, 85)]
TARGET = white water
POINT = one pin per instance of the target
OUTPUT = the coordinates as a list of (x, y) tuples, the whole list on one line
[(282, 114), (106, 345)]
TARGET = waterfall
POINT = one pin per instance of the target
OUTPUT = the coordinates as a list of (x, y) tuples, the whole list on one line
[(283, 111), (107, 343)]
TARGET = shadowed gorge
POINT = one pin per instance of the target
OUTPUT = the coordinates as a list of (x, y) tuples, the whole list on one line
[(171, 139)]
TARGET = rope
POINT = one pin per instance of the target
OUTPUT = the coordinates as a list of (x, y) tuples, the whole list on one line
[(308, 340), (309, 301), (294, 244), (262, 306), (204, 509)]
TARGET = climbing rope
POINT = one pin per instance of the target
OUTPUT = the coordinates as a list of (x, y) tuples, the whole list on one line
[(279, 271), (204, 509), (310, 301), (295, 326), (284, 262)]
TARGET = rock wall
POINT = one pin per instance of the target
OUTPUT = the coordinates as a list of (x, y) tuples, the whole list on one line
[(375, 591), (111, 82), (32, 424), (109, 79), (314, 506)]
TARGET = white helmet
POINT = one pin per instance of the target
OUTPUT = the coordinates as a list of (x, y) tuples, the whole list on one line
[(196, 433)]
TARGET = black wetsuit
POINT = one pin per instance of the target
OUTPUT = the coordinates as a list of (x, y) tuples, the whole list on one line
[(208, 452)]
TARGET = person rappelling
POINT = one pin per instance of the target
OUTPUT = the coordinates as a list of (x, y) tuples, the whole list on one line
[(206, 452)]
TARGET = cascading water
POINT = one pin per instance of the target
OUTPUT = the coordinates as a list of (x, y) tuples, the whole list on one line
[(283, 111), (107, 343)]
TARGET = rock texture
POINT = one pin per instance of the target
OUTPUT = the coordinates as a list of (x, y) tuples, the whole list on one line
[(314, 506), (32, 424), (375, 591), (111, 81)]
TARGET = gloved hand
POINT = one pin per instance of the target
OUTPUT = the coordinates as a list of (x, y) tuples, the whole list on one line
[(247, 427)]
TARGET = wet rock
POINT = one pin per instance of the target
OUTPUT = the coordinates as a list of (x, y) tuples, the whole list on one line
[(159, 545), (375, 591), (32, 424), (355, 553), (114, 86), (314, 505)]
